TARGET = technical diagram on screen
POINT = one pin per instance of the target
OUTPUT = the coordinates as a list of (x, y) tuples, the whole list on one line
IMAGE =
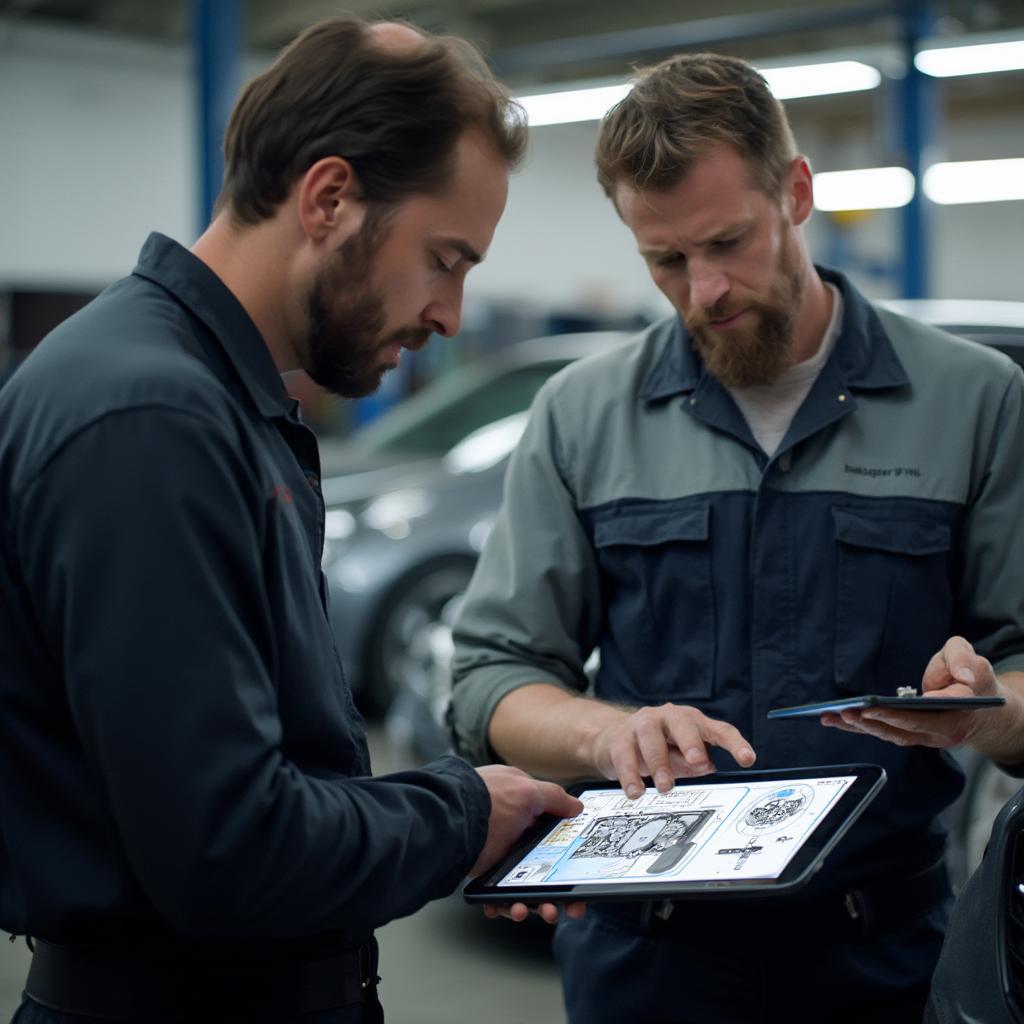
[(730, 831)]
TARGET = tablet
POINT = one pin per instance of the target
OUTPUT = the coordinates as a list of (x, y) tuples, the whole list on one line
[(738, 833), (874, 700)]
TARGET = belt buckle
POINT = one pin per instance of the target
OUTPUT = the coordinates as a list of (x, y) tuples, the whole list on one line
[(663, 910), (367, 967), (853, 906)]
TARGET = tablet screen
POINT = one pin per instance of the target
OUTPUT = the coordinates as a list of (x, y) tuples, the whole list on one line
[(741, 830)]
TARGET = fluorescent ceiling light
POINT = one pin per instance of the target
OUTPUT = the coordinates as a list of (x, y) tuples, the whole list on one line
[(786, 83), (572, 104), (821, 79), (975, 181), (979, 59), (874, 188)]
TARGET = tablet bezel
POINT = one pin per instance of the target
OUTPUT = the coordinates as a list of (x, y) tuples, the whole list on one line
[(868, 780), (875, 700)]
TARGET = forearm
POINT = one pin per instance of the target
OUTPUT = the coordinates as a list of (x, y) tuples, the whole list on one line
[(550, 732), (1000, 734)]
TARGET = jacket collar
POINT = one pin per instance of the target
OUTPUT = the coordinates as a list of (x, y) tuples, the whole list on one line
[(864, 356), (201, 291)]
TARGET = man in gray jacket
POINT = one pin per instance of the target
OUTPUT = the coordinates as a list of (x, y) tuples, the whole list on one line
[(781, 494)]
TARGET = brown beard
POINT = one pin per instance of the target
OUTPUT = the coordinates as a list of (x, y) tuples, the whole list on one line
[(347, 316), (744, 356)]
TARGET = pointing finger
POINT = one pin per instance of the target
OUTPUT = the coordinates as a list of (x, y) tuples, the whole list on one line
[(650, 735), (555, 800), (729, 738), (626, 768)]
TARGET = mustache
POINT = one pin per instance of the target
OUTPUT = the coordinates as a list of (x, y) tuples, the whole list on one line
[(702, 318), (413, 338)]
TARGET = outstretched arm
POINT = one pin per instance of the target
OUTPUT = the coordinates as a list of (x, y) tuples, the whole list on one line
[(554, 733)]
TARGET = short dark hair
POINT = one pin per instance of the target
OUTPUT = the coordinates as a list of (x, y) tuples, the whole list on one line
[(679, 109), (395, 115)]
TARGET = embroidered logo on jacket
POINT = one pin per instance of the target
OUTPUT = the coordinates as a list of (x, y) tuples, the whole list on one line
[(882, 470)]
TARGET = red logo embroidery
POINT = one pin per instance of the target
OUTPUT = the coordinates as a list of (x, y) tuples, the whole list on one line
[(283, 493)]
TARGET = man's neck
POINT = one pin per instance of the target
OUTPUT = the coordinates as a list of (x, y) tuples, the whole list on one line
[(813, 319), (250, 264)]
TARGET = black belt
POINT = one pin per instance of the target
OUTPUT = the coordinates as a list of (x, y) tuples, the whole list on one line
[(881, 905), (104, 983)]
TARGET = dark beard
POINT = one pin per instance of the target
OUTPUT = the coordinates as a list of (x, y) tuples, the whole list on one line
[(747, 357), (346, 317), (343, 359)]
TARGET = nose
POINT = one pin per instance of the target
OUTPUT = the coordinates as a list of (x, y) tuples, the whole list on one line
[(443, 315), (707, 285)]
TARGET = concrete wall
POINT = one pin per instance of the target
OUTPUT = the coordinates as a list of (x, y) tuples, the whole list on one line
[(96, 148)]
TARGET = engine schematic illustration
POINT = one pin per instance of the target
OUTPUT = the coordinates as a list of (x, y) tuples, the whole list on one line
[(700, 832), (775, 811), (629, 836)]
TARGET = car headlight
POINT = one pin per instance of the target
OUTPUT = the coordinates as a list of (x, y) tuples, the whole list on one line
[(393, 513), (486, 446), (339, 525)]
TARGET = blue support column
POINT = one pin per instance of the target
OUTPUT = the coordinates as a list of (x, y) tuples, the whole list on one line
[(216, 35), (918, 119)]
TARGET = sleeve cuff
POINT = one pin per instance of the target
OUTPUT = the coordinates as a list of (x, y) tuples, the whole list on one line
[(477, 807), (474, 700)]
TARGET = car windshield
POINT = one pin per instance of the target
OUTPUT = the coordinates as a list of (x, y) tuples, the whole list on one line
[(435, 420)]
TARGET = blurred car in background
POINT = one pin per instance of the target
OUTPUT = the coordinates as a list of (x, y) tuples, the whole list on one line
[(993, 322), (410, 500), (1001, 325), (449, 512)]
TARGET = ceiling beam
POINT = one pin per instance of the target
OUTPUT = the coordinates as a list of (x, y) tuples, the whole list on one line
[(681, 36)]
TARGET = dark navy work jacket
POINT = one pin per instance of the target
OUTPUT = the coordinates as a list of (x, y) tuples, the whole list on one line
[(179, 752)]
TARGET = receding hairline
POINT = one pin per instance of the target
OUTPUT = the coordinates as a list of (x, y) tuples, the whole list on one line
[(395, 37), (308, 105)]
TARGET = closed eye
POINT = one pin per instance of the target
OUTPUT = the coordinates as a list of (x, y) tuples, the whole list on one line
[(670, 259)]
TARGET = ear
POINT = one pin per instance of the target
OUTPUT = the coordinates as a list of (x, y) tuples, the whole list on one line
[(798, 190), (328, 200)]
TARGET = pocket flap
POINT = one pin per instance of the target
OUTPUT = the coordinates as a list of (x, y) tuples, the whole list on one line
[(656, 526), (900, 536)]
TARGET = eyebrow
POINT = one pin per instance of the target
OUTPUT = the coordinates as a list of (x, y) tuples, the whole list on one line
[(727, 232), (462, 247)]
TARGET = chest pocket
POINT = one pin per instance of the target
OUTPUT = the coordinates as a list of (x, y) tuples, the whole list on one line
[(894, 601), (659, 640)]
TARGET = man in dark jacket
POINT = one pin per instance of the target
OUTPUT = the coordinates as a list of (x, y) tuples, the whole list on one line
[(188, 825)]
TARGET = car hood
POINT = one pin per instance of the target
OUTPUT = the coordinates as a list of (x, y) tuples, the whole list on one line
[(366, 480)]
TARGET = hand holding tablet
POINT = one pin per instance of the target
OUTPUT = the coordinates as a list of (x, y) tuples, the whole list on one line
[(738, 833), (897, 703)]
